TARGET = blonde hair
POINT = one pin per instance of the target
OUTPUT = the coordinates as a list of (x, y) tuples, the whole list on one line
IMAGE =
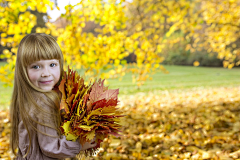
[(32, 48)]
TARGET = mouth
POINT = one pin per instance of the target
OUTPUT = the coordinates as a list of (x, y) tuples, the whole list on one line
[(45, 82)]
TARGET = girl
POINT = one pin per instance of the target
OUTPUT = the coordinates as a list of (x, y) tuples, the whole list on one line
[(34, 107)]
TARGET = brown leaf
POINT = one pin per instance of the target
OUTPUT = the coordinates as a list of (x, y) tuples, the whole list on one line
[(99, 92)]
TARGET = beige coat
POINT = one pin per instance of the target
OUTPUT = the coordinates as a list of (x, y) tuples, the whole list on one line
[(44, 147)]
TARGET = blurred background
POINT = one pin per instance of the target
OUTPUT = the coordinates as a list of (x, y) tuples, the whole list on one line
[(174, 61)]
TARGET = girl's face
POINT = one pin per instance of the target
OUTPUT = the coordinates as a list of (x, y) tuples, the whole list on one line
[(44, 74)]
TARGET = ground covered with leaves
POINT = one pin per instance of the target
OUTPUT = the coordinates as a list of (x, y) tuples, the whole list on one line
[(197, 124)]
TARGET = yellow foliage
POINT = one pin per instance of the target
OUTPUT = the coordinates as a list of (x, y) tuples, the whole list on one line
[(196, 63), (197, 124), (218, 27), (144, 28), (18, 22)]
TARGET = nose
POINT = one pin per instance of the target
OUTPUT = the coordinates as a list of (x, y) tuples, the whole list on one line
[(45, 72)]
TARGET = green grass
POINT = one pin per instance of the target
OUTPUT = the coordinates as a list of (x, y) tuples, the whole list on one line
[(5, 93), (180, 78)]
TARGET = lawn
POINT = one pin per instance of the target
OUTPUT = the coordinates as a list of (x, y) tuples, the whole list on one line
[(5, 93), (180, 78)]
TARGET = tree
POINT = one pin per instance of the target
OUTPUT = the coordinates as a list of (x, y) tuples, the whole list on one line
[(214, 26), (144, 28), (16, 21), (119, 36)]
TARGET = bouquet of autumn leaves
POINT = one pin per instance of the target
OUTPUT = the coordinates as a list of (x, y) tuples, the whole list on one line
[(88, 111)]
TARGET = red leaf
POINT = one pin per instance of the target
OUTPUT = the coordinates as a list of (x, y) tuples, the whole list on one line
[(99, 92), (82, 140), (63, 104), (74, 105), (70, 99), (93, 108), (115, 134), (104, 103)]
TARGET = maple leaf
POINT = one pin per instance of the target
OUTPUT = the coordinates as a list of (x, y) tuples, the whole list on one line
[(87, 111), (104, 103), (70, 99), (65, 126), (115, 134), (74, 105), (82, 140), (81, 110), (100, 92), (108, 110), (71, 137), (87, 127), (91, 135), (63, 103), (94, 112), (100, 136)]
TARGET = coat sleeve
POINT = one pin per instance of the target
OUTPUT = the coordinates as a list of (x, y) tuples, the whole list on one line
[(56, 147)]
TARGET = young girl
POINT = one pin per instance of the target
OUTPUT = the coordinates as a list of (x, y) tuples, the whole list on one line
[(35, 103)]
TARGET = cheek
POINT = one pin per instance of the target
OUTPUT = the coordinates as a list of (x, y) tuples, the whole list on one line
[(31, 76), (57, 74)]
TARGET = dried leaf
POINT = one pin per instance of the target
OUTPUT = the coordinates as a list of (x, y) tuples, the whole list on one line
[(91, 135), (71, 137), (92, 109), (100, 92)]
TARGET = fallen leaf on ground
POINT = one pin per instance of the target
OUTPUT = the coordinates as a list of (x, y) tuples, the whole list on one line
[(198, 124)]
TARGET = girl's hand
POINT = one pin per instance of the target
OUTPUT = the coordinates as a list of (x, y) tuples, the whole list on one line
[(88, 145)]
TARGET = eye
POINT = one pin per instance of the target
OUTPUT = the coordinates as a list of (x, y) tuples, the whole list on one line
[(35, 67), (53, 65)]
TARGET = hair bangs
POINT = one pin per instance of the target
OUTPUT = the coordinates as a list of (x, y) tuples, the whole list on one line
[(40, 48)]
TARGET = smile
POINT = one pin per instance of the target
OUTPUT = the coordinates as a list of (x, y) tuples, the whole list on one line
[(46, 82)]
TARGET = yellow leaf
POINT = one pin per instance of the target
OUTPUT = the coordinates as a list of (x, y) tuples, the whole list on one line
[(3, 134), (66, 126), (230, 66), (91, 135), (71, 137), (86, 127), (3, 35), (82, 24), (196, 63)]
